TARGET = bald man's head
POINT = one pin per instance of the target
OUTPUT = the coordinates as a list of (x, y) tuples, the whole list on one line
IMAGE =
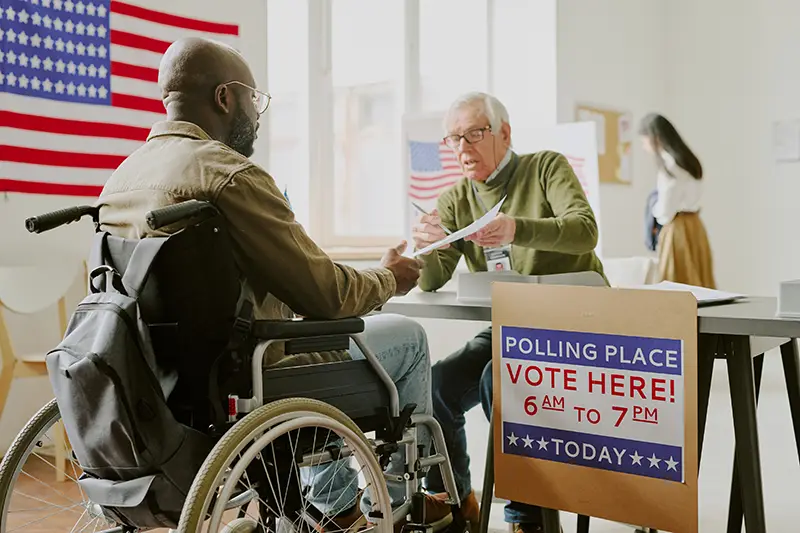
[(195, 78)]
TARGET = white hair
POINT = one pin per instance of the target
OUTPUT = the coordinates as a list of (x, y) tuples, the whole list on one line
[(488, 105)]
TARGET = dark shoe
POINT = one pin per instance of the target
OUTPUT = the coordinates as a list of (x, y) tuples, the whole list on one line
[(438, 515)]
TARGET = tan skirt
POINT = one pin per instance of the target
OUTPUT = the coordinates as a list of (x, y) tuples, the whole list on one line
[(684, 254)]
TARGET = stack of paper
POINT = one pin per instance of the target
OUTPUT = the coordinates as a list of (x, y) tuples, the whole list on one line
[(703, 295)]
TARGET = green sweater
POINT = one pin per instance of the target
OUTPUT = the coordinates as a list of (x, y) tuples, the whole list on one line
[(556, 229)]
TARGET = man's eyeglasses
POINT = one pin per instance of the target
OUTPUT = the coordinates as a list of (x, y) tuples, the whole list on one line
[(261, 99), (471, 136)]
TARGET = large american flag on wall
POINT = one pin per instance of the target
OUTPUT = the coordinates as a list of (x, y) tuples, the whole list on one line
[(78, 88)]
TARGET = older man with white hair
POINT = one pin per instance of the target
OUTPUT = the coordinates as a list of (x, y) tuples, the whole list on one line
[(546, 226)]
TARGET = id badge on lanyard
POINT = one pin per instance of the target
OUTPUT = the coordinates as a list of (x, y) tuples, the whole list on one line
[(498, 259)]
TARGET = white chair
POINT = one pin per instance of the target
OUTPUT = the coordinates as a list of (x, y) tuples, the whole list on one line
[(631, 271), (25, 294)]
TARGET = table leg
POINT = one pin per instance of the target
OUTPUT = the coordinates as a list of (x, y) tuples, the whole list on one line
[(743, 402), (735, 510), (552, 521), (583, 524), (706, 354), (791, 373), (487, 495)]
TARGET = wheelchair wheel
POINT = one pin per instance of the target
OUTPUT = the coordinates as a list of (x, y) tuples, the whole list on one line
[(293, 457), (31, 495)]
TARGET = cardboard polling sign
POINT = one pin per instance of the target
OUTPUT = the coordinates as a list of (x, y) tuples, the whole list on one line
[(595, 402)]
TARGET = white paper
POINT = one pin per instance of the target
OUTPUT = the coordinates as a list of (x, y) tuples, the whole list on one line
[(703, 295), (460, 234)]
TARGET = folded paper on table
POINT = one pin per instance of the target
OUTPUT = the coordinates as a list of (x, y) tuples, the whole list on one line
[(460, 234), (704, 296)]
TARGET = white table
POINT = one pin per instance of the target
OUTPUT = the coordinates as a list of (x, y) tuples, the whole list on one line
[(726, 331)]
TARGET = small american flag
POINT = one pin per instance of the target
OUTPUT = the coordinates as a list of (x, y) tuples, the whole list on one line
[(577, 164), (78, 88), (434, 167)]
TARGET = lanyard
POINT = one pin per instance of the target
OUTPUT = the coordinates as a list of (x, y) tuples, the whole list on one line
[(478, 196)]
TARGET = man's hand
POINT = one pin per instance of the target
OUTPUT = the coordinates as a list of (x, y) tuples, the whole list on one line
[(405, 269), (428, 230), (498, 232)]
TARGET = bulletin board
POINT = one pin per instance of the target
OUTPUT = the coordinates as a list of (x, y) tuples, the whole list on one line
[(614, 141), (595, 402)]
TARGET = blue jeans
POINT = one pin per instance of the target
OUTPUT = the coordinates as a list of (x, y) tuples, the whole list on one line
[(460, 382), (401, 346)]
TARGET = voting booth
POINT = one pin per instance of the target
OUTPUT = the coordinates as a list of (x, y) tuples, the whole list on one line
[(595, 402)]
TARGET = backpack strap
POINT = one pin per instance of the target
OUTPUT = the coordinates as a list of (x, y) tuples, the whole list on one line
[(140, 264)]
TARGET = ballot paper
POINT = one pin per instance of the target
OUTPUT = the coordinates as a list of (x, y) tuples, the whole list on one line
[(460, 234)]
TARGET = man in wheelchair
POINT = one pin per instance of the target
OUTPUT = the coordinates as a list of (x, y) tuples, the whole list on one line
[(202, 152)]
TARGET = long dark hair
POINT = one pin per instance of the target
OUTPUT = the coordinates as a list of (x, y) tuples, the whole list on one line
[(664, 136)]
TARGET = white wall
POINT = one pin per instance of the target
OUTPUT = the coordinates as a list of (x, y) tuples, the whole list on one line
[(612, 53), (721, 73)]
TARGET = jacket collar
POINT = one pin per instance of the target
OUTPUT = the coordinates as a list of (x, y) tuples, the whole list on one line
[(178, 128)]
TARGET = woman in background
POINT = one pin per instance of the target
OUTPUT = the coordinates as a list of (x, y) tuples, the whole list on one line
[(684, 253)]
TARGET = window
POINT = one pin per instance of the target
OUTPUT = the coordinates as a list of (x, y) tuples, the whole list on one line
[(287, 116), (343, 73), (368, 107), (452, 38)]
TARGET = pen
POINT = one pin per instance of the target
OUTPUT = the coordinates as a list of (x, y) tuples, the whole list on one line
[(418, 208)]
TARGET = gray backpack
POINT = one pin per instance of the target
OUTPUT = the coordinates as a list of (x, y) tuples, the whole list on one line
[(138, 460)]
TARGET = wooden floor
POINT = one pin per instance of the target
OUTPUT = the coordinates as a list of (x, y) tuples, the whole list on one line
[(42, 505)]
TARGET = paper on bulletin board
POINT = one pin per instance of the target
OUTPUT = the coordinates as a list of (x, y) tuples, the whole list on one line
[(595, 403), (614, 141)]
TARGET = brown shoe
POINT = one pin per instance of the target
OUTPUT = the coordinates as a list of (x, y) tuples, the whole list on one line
[(438, 514), (469, 510)]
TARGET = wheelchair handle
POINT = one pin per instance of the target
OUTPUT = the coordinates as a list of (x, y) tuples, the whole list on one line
[(159, 218), (58, 218)]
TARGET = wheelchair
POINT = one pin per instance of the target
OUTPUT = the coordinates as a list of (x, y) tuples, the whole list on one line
[(280, 436)]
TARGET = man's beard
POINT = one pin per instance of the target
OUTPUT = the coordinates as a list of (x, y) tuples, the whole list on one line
[(243, 134)]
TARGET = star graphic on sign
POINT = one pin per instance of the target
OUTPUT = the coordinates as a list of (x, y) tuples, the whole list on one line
[(636, 459), (81, 49), (11, 79), (80, 28), (101, 11), (90, 30), (60, 66), (101, 31), (58, 24), (528, 442), (68, 5), (37, 19), (542, 443), (10, 14), (36, 84), (36, 62), (48, 22), (512, 439), (60, 87), (71, 89), (82, 69), (81, 90), (22, 38), (11, 57), (70, 47), (92, 71), (102, 71), (59, 45), (671, 464), (23, 60), (36, 41), (71, 68), (102, 51), (92, 50), (654, 461), (91, 9), (58, 4), (69, 26), (22, 16), (23, 82), (48, 86), (46, 3), (79, 8), (48, 63), (48, 42), (102, 92), (92, 91), (11, 36)]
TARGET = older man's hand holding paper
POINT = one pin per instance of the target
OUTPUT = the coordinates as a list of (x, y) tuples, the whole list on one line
[(430, 229)]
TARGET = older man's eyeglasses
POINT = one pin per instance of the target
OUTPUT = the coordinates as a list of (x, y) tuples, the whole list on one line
[(261, 99), (471, 136)]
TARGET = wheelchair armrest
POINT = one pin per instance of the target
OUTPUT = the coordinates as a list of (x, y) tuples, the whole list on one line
[(304, 328)]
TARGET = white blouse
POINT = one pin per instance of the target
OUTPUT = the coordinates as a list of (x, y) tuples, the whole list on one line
[(677, 193)]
